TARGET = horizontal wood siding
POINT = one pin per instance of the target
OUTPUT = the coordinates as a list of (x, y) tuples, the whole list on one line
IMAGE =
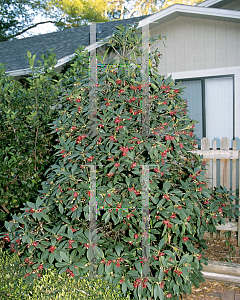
[(235, 5), (197, 44)]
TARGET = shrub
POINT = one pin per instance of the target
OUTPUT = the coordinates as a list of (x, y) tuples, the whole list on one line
[(53, 231), (26, 145), (50, 285)]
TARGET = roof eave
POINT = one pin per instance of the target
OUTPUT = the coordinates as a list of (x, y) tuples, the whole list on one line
[(160, 18)]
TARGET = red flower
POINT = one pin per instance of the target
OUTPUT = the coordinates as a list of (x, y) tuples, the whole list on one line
[(73, 208), (166, 222), (112, 138), (26, 260), (107, 104), (90, 158), (121, 280), (51, 249), (117, 120), (73, 127), (35, 244), (166, 197), (168, 295), (129, 216), (121, 91), (133, 165), (185, 238), (109, 262), (40, 267), (6, 238), (110, 159), (118, 81), (156, 170), (89, 193), (75, 195), (135, 236), (173, 216), (110, 174), (191, 134), (59, 238), (86, 246), (117, 165)]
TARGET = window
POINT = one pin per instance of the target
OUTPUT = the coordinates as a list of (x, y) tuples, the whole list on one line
[(210, 101)]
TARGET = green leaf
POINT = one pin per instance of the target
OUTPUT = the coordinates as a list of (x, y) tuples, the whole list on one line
[(64, 256), (124, 288), (128, 181), (138, 266), (60, 207), (100, 269), (184, 259), (51, 257), (99, 251), (206, 194), (119, 248), (161, 243), (166, 186)]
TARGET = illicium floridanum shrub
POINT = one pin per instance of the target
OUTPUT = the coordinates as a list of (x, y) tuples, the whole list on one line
[(52, 232)]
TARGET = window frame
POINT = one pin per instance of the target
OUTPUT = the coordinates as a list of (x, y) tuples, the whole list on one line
[(202, 79)]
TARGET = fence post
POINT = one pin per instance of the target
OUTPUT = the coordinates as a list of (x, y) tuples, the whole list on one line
[(225, 165), (205, 146), (214, 167)]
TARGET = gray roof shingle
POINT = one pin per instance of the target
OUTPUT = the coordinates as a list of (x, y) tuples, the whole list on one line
[(12, 53)]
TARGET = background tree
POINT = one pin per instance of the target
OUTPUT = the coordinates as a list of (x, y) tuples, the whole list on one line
[(18, 17)]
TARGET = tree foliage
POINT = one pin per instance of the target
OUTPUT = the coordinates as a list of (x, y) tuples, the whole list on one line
[(17, 17), (26, 145)]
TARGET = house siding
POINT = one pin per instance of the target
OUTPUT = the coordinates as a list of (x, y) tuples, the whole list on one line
[(197, 43), (234, 5)]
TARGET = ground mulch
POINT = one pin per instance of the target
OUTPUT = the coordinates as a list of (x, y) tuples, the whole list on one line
[(222, 249)]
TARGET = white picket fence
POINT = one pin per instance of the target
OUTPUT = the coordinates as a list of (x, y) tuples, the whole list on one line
[(224, 154)]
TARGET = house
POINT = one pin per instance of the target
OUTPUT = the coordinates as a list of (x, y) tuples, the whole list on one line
[(202, 50)]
